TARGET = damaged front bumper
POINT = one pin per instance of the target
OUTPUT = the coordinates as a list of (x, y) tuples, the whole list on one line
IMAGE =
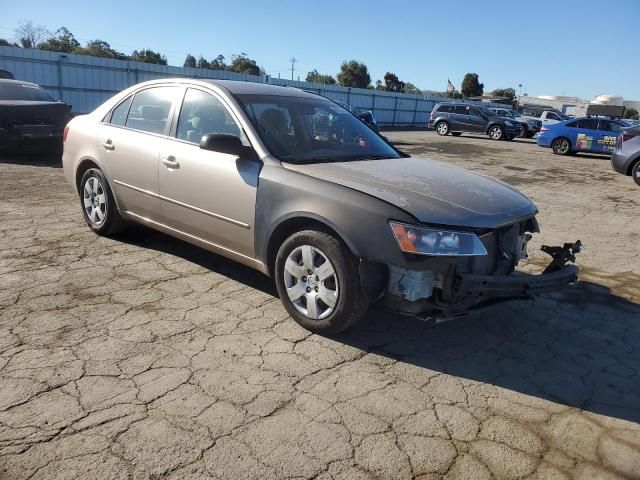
[(474, 291)]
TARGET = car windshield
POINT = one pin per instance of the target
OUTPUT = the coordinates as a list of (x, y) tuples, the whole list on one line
[(23, 91), (305, 130)]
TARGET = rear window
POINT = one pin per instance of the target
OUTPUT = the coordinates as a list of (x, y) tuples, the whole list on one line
[(588, 123), (22, 91)]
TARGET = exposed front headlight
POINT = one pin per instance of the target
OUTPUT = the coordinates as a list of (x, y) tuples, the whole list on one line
[(508, 123), (428, 241)]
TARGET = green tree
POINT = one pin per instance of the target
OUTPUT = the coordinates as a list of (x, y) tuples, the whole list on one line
[(411, 88), (190, 61), (471, 87), (509, 95), (392, 83), (218, 63), (30, 35), (354, 74), (315, 77), (100, 48), (202, 63), (6, 43), (61, 41), (149, 56), (631, 113), (243, 64)]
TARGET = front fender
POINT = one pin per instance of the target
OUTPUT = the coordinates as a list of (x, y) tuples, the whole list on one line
[(360, 219)]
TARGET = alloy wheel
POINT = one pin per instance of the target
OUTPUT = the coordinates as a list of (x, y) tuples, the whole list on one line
[(495, 133), (443, 128), (95, 200), (311, 282)]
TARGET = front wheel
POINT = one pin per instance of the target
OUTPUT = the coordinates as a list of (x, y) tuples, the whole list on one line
[(635, 173), (524, 131), (496, 132), (318, 282), (98, 205), (561, 146), (442, 128)]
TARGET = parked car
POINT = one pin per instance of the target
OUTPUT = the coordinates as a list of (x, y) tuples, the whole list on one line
[(456, 118), (625, 158), (551, 117), (6, 74), (339, 221), (366, 116), (29, 117), (586, 134), (530, 126)]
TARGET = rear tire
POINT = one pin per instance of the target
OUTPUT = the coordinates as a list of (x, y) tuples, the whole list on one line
[(314, 266), (442, 128), (561, 146), (98, 205), (635, 172), (496, 132)]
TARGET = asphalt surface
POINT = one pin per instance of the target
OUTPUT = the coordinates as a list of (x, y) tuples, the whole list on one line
[(144, 357)]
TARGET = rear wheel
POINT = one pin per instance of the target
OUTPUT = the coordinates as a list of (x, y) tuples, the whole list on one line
[(442, 128), (456, 134), (635, 172), (496, 132), (561, 146), (318, 282), (98, 205)]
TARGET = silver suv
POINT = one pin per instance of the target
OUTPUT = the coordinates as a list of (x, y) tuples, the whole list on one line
[(291, 184)]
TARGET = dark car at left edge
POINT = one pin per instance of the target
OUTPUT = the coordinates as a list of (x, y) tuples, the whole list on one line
[(29, 117)]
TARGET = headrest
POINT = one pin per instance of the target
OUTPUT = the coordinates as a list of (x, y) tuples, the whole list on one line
[(272, 119), (152, 112)]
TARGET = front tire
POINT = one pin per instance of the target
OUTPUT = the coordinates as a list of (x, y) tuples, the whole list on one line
[(442, 128), (561, 146), (319, 283), (496, 132), (524, 132), (98, 205), (635, 173)]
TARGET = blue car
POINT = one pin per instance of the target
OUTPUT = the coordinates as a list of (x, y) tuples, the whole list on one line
[(586, 134)]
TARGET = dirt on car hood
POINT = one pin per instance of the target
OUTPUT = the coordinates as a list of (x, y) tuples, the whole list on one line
[(432, 191)]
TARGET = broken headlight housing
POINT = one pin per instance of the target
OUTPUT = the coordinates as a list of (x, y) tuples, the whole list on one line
[(430, 241)]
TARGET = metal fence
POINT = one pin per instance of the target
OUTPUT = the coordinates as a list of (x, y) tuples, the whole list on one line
[(85, 82)]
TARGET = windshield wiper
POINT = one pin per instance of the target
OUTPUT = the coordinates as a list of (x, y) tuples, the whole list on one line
[(371, 157)]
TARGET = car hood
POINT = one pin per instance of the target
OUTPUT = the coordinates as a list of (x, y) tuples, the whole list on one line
[(433, 192)]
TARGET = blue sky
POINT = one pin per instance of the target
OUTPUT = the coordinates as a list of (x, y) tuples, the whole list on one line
[(558, 47)]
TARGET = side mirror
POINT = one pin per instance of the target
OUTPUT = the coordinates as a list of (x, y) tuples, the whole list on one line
[(223, 143)]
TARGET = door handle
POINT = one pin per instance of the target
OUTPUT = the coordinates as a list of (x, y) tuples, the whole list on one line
[(108, 145), (171, 162)]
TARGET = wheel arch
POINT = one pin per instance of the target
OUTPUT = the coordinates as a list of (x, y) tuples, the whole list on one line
[(632, 164), (295, 222), (493, 124), (86, 164)]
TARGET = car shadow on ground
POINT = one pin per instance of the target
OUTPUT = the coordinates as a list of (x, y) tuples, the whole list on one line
[(51, 160), (578, 347)]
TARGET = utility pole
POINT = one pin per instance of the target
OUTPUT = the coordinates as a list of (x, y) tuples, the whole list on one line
[(293, 61)]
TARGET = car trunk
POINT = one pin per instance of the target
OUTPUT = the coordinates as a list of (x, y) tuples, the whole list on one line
[(24, 119)]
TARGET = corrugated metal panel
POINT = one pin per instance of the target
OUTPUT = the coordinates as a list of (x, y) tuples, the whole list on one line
[(85, 82)]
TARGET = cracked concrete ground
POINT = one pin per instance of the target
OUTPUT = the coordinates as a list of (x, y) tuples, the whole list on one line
[(143, 357)]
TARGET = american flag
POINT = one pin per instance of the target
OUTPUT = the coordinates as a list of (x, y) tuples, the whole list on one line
[(450, 86)]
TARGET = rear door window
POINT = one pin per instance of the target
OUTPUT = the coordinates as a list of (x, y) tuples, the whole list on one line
[(588, 123), (461, 109), (150, 109)]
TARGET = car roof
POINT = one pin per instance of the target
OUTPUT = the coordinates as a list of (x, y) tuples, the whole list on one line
[(17, 82), (238, 87)]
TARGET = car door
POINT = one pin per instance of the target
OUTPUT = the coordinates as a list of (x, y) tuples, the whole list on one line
[(205, 194), (608, 132), (459, 118), (476, 120), (130, 140), (586, 134)]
